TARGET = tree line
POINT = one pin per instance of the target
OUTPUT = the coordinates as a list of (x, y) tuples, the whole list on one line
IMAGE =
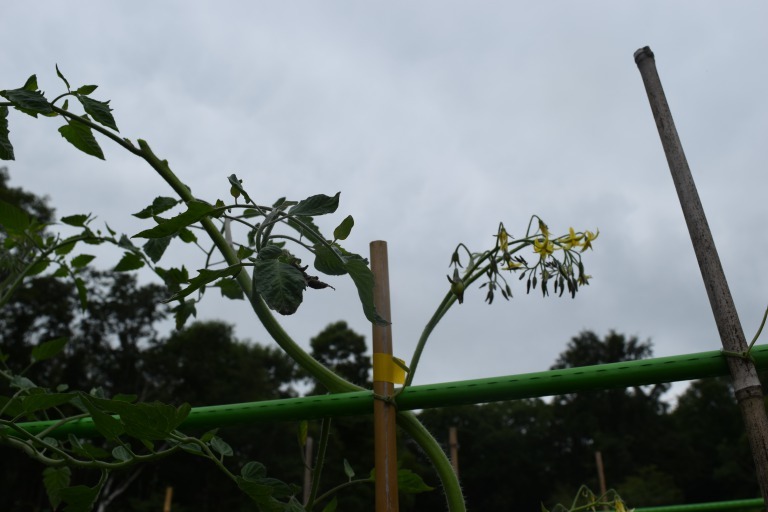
[(523, 452)]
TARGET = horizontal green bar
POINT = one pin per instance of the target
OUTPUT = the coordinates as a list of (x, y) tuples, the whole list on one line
[(528, 385), (754, 504)]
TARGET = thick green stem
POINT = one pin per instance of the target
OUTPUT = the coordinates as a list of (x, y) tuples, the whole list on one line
[(443, 467)]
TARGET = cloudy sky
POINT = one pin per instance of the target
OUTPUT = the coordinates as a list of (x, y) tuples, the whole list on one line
[(435, 120)]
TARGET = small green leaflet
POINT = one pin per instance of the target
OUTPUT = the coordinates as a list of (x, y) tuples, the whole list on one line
[(6, 148), (99, 111), (81, 260), (158, 206), (62, 77), (319, 204), (221, 447), (78, 220), (85, 90), (54, 480), (230, 289), (48, 349), (343, 229), (196, 211), (80, 498), (155, 247), (129, 261), (28, 99), (203, 278), (80, 136)]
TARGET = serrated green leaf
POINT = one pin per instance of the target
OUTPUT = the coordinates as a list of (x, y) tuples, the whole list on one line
[(75, 220), (66, 246), (196, 211), (28, 99), (49, 349), (363, 278), (106, 424), (187, 236), (319, 204), (409, 482), (38, 267), (129, 261), (54, 480), (158, 206), (244, 252), (152, 421), (79, 498), (14, 219), (203, 278), (343, 230), (99, 111), (270, 252), (258, 492), (81, 260), (80, 136), (85, 90), (221, 447), (62, 77), (183, 311), (6, 148), (330, 261), (253, 470), (155, 247), (230, 289), (208, 435), (280, 285)]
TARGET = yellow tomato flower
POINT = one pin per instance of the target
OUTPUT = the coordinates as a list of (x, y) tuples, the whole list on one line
[(503, 238), (588, 237), (544, 247), (571, 240)]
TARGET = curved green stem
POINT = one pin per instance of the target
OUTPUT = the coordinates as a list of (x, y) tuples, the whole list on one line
[(443, 467)]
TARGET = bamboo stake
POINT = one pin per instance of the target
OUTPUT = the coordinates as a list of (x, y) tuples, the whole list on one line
[(749, 394), (600, 472), (168, 499), (384, 412), (308, 453), (453, 443)]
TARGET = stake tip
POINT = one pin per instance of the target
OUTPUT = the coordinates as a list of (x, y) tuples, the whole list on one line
[(643, 53)]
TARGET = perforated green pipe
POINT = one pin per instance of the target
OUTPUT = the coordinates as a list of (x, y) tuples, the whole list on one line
[(753, 504), (528, 385)]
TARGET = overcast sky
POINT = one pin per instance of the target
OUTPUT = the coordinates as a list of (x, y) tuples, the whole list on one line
[(435, 120)]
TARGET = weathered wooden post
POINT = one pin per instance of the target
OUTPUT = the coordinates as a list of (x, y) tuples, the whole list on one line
[(746, 385)]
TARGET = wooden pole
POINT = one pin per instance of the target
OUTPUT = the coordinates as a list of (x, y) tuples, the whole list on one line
[(453, 443), (168, 499), (746, 385), (600, 472), (384, 412)]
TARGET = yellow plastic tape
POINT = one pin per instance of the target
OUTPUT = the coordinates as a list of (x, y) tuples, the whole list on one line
[(387, 368)]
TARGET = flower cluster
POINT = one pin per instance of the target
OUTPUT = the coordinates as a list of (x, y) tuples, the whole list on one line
[(558, 262)]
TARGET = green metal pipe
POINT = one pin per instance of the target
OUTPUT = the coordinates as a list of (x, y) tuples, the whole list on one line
[(513, 387), (753, 504)]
